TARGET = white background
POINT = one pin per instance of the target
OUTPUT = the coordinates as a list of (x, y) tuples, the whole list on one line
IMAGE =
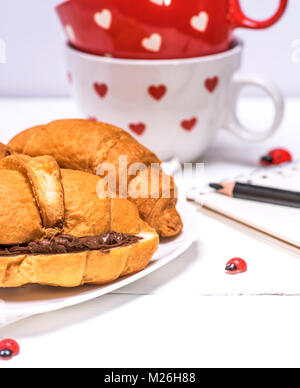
[(35, 60)]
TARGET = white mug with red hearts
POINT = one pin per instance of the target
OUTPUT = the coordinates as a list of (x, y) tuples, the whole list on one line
[(173, 107)]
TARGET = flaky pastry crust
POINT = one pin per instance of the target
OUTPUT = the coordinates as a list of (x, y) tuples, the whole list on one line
[(32, 192), (84, 145), (76, 269)]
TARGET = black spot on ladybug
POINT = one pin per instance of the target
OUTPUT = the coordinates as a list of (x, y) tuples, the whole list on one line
[(6, 353), (267, 159), (231, 267)]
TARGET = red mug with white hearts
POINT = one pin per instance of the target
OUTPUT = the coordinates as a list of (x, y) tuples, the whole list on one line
[(156, 29), (174, 107)]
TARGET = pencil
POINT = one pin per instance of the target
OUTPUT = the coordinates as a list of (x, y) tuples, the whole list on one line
[(258, 193)]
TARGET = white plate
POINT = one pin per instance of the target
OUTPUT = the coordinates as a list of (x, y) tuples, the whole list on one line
[(26, 301)]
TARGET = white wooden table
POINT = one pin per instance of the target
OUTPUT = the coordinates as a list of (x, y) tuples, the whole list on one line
[(165, 320)]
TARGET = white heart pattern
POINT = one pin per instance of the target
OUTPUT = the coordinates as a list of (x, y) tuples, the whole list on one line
[(70, 32), (103, 19), (161, 2), (153, 43), (200, 22), (158, 2)]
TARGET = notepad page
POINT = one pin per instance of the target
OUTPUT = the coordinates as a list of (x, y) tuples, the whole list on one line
[(278, 221)]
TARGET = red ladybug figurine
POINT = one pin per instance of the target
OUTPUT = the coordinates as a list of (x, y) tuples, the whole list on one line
[(276, 157), (9, 349), (236, 265)]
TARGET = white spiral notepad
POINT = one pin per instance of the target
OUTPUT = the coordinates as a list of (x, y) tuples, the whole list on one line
[(278, 221)]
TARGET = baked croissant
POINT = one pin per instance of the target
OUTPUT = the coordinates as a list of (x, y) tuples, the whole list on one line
[(4, 151), (84, 145), (55, 230)]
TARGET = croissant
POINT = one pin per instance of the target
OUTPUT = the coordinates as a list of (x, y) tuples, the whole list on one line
[(4, 151), (84, 145), (56, 231)]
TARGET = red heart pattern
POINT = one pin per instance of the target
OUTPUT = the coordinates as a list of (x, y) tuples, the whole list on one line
[(157, 92), (101, 89), (138, 129), (188, 125), (211, 84)]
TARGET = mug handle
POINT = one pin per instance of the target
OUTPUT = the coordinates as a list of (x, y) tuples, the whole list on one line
[(232, 122), (239, 19)]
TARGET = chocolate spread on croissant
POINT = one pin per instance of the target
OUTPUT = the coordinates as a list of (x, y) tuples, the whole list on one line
[(68, 244)]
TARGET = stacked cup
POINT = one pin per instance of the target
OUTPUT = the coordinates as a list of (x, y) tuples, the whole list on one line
[(166, 70)]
